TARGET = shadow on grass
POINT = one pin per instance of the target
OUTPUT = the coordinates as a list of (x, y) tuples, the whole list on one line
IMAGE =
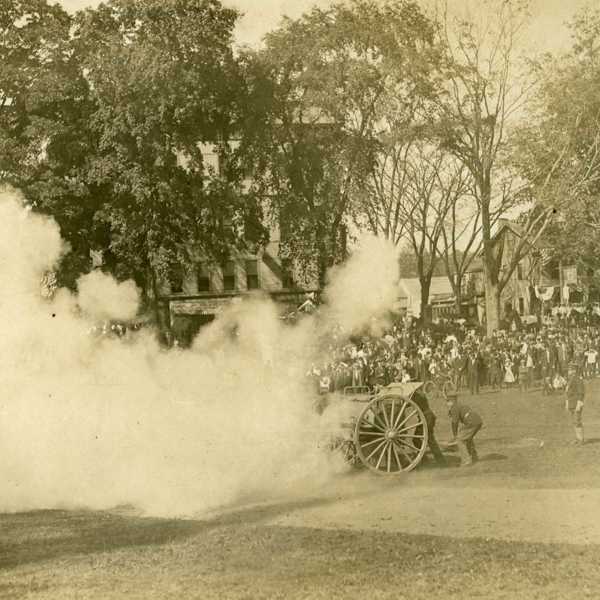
[(492, 456), (50, 534)]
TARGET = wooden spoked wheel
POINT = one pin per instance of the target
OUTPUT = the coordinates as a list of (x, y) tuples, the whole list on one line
[(391, 435)]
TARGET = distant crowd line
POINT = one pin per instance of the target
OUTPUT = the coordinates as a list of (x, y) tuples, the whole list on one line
[(462, 356)]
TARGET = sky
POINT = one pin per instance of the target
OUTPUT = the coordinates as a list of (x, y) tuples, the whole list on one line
[(547, 31)]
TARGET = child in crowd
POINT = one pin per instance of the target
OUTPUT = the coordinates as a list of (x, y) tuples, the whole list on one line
[(509, 377)]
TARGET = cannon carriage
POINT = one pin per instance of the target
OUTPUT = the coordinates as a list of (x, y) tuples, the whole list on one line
[(389, 434)]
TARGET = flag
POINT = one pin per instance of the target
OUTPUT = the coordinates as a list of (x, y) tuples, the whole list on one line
[(545, 256)]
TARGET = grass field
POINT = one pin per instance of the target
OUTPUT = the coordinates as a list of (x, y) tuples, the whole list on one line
[(61, 554)]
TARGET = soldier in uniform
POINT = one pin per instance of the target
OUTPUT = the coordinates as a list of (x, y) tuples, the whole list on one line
[(422, 402), (472, 369), (575, 392), (470, 423)]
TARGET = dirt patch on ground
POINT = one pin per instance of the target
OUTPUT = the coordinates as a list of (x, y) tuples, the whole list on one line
[(532, 484), (539, 515)]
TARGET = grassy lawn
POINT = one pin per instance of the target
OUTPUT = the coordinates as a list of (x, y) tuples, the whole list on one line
[(96, 555)]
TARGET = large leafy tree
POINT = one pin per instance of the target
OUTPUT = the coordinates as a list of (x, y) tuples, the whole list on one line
[(38, 78), (165, 86), (105, 120), (44, 113), (332, 83), (558, 150)]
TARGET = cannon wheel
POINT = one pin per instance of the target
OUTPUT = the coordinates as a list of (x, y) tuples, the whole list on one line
[(391, 435)]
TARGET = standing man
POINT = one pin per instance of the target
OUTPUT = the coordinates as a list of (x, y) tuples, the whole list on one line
[(494, 371), (575, 391), (591, 356), (422, 402), (459, 367), (473, 372), (562, 352), (470, 423)]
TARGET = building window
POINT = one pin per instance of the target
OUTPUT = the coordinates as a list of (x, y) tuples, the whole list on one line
[(176, 280), (520, 272), (203, 278), (210, 158), (229, 276), (252, 274), (287, 275), (521, 306)]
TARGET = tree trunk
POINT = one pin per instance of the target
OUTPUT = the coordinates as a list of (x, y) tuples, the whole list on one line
[(153, 298), (492, 305), (491, 262), (425, 306), (344, 242), (322, 269), (458, 300), (320, 258)]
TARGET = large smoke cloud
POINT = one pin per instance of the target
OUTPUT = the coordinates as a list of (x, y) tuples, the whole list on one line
[(366, 287), (97, 422), (101, 297)]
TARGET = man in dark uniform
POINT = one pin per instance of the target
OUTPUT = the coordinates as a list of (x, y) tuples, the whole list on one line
[(472, 368), (470, 423), (420, 399), (575, 391)]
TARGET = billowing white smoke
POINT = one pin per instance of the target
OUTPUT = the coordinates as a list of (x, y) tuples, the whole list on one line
[(102, 298), (366, 287), (97, 422)]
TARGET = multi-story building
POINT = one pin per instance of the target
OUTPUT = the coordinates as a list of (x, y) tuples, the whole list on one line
[(193, 296)]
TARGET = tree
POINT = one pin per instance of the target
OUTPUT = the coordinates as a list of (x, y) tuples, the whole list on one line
[(383, 195), (558, 151), (36, 80), (433, 188), (461, 231), (416, 194), (333, 75), (103, 122), (485, 92), (163, 85), (44, 114), (408, 263)]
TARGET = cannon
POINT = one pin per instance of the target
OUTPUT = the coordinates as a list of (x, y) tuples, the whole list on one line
[(388, 434)]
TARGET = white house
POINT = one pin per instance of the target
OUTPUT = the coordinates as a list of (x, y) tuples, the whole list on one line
[(441, 296)]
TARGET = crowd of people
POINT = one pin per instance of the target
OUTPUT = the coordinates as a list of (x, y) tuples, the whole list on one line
[(453, 352), (115, 329)]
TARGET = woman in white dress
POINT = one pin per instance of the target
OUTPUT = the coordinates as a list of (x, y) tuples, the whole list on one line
[(509, 378)]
